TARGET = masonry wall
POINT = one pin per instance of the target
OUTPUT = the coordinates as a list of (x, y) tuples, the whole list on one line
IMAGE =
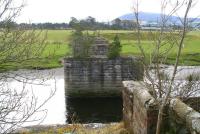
[(140, 112), (193, 102), (99, 77)]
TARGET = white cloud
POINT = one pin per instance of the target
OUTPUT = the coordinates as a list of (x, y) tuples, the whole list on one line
[(62, 10), (102, 10)]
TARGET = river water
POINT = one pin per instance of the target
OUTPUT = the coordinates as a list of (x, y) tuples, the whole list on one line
[(42, 83)]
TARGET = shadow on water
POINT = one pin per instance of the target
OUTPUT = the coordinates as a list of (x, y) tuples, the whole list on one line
[(94, 110)]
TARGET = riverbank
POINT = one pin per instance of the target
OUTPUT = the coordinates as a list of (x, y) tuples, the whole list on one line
[(93, 128), (58, 47)]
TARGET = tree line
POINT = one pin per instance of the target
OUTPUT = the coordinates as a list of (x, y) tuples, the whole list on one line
[(89, 23)]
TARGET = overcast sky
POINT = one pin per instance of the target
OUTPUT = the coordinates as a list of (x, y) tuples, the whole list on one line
[(37, 11)]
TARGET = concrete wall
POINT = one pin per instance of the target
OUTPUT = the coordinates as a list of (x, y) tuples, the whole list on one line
[(99, 77)]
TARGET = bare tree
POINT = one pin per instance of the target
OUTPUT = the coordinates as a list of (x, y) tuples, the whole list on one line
[(17, 45), (163, 42), (18, 106)]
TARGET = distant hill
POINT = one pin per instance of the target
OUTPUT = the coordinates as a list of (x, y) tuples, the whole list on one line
[(142, 16), (151, 17)]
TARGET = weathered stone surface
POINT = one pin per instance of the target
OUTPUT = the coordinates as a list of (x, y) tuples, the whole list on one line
[(139, 108), (140, 112), (99, 77), (187, 114), (99, 48), (193, 102)]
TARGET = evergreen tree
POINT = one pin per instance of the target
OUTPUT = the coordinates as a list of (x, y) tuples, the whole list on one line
[(115, 48)]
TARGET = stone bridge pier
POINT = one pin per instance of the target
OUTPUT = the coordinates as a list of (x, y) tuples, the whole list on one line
[(99, 77), (94, 86)]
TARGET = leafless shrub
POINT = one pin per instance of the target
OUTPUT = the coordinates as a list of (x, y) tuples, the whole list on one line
[(163, 42), (16, 46)]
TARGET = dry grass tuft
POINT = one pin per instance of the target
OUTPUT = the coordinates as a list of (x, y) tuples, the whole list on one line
[(117, 128)]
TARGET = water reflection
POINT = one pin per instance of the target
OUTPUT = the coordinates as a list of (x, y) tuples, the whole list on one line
[(42, 82), (84, 110), (94, 110)]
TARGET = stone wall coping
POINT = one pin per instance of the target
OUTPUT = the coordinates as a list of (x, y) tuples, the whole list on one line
[(139, 92), (139, 89), (101, 58), (101, 44), (187, 114)]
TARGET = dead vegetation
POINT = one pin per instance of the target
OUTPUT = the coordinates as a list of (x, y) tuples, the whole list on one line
[(116, 128)]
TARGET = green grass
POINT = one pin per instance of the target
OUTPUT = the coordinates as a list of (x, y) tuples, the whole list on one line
[(58, 44), (50, 59), (58, 47), (59, 35)]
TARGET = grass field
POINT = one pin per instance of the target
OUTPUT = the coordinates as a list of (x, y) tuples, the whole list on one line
[(190, 54), (58, 47)]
